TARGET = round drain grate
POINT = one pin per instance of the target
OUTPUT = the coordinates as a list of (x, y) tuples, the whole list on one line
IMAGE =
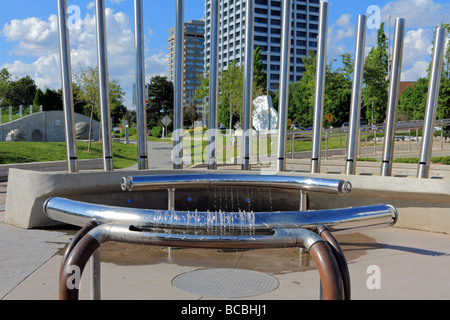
[(225, 283)]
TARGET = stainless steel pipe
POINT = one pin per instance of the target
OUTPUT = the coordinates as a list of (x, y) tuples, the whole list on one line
[(355, 109), (141, 108), (179, 87), (394, 96), (320, 89), (432, 102), (105, 112), (248, 86), (139, 183), (331, 278), (67, 89), (220, 223), (284, 83), (213, 87)]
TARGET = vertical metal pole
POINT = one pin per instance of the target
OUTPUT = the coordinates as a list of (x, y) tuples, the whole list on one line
[(284, 84), (213, 86), (248, 85), (141, 110), (171, 199), (104, 85), (320, 89), (179, 86), (355, 110), (394, 92), (95, 271), (67, 89), (432, 101)]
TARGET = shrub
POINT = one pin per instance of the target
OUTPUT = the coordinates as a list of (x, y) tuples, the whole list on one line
[(156, 132)]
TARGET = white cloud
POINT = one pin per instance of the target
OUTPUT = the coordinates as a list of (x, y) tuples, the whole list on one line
[(417, 13), (338, 34), (416, 54), (38, 39)]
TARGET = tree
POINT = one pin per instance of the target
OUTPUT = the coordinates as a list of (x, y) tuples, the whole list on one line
[(443, 111), (259, 73), (301, 102), (231, 89), (375, 90), (160, 101), (16, 92), (88, 93), (413, 101)]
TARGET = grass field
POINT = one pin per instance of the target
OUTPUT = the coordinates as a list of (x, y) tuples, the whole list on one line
[(25, 152)]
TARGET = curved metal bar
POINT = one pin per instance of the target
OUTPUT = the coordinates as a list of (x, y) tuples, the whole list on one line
[(323, 257), (70, 278), (139, 183), (84, 231), (326, 235), (330, 275), (338, 220)]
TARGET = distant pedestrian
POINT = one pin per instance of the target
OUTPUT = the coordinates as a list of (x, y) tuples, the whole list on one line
[(446, 132)]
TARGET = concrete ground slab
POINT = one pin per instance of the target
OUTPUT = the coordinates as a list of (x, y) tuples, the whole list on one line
[(410, 264)]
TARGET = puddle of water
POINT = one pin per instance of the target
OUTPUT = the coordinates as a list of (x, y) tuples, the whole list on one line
[(272, 261)]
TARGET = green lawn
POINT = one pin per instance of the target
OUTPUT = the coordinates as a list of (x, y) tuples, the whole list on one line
[(26, 152)]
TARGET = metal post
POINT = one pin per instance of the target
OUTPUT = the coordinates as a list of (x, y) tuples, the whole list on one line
[(95, 270), (248, 85), (432, 101), (141, 110), (320, 89), (355, 110), (284, 84), (213, 86), (104, 85), (394, 92), (179, 86), (67, 89)]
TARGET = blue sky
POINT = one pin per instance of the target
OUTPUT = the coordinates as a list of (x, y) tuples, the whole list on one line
[(29, 43)]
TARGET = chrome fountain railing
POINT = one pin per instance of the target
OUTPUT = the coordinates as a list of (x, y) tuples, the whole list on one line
[(219, 230)]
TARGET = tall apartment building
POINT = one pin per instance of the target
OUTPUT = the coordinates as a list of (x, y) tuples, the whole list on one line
[(194, 59), (267, 34)]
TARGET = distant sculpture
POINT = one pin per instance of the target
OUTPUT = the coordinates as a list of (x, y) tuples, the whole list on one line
[(16, 135), (265, 117), (82, 131)]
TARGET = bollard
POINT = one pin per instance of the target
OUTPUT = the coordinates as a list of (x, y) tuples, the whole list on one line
[(355, 111), (179, 86), (141, 110), (394, 93), (213, 86), (67, 89), (320, 89), (432, 101), (284, 84), (104, 85), (248, 85)]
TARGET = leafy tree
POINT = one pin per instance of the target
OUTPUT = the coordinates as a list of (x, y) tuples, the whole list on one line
[(375, 90), (160, 102), (87, 92), (16, 92), (413, 101), (259, 73), (443, 111), (231, 89)]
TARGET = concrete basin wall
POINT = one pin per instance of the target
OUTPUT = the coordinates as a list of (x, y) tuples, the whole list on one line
[(422, 204)]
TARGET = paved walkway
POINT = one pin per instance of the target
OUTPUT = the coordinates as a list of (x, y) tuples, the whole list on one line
[(407, 264)]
